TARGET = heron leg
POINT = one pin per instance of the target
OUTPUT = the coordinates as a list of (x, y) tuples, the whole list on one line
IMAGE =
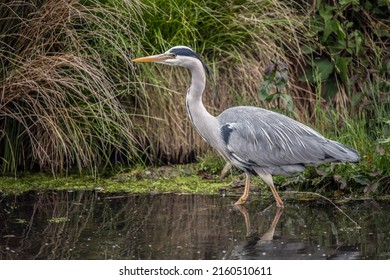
[(278, 214), (225, 170), (245, 195), (247, 219), (267, 178), (269, 235)]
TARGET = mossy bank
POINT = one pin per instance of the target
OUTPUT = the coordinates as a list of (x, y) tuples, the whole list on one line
[(177, 179), (201, 178)]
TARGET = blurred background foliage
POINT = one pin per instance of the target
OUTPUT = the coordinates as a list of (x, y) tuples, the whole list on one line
[(71, 98)]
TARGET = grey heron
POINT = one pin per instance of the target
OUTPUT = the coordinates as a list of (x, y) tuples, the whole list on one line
[(256, 140)]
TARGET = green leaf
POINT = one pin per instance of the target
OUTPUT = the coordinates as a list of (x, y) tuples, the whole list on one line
[(342, 64), (319, 71), (323, 68), (361, 180), (308, 48), (326, 12), (338, 30), (288, 101), (308, 76), (337, 47), (371, 187), (271, 97), (316, 26), (346, 2), (358, 41), (384, 141), (330, 88), (328, 29), (264, 89)]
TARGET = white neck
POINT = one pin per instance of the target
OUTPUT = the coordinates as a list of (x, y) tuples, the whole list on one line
[(204, 122)]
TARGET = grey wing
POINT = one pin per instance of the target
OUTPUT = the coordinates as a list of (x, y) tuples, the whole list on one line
[(274, 142)]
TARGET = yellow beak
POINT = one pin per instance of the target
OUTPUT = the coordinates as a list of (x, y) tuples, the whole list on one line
[(152, 58)]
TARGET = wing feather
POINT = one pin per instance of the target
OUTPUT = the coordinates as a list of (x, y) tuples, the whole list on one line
[(268, 139)]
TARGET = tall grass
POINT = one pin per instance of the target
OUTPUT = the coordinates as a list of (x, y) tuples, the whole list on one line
[(63, 68)]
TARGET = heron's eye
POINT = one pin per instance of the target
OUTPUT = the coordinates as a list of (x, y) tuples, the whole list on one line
[(172, 55)]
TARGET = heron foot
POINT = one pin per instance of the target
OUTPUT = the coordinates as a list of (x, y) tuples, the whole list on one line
[(280, 204), (240, 201), (245, 195), (279, 201)]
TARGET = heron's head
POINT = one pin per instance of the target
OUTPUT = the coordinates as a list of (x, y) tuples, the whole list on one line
[(176, 56)]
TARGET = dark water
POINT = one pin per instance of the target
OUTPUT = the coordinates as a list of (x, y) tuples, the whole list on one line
[(88, 225)]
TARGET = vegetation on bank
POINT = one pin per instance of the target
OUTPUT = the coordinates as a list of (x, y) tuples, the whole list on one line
[(172, 179), (70, 97)]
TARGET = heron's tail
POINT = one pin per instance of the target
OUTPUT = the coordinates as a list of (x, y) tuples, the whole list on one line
[(335, 151)]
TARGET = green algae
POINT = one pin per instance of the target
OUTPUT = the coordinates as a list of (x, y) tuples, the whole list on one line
[(181, 179), (175, 179)]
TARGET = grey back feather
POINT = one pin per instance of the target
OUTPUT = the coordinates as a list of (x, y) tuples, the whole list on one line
[(276, 143)]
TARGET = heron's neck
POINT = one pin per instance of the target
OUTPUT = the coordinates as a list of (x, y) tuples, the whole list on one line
[(204, 122)]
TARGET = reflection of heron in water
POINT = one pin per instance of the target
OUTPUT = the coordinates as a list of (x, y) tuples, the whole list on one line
[(268, 245), (269, 234), (255, 140)]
